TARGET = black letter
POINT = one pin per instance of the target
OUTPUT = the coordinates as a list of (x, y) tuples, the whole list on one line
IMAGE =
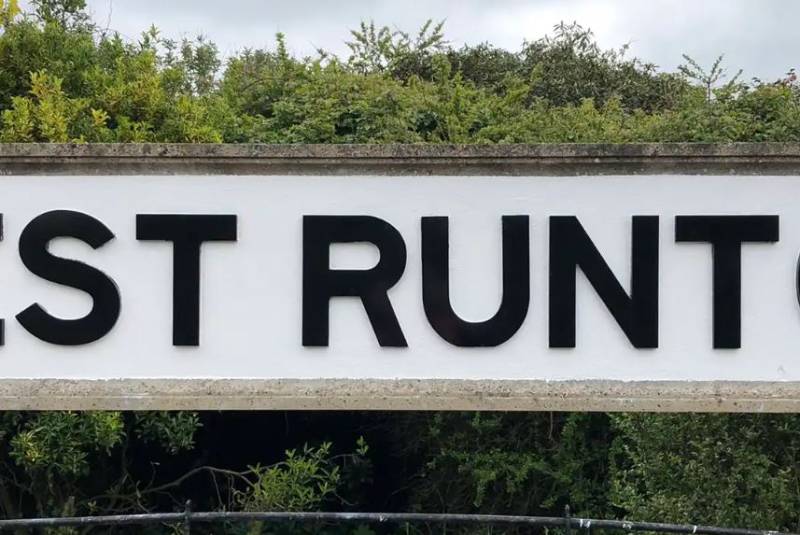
[(33, 251), (726, 233), (571, 247), (187, 233), (436, 285), (320, 283)]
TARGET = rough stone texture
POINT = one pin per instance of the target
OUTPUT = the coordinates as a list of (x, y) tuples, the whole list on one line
[(548, 159), (340, 394), (405, 394)]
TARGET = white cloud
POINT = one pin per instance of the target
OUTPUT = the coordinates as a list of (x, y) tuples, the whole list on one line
[(757, 35)]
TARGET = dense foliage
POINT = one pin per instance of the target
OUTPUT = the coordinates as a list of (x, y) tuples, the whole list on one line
[(64, 79)]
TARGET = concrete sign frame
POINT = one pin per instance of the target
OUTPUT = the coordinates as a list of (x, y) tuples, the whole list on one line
[(639, 221)]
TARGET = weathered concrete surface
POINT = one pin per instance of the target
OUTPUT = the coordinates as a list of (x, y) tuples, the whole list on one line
[(342, 394), (406, 394), (547, 159)]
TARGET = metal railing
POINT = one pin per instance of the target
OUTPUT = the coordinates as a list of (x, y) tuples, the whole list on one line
[(188, 518)]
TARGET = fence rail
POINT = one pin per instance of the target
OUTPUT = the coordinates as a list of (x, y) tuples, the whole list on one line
[(188, 518)]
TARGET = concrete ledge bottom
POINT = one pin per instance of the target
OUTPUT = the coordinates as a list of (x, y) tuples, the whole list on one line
[(401, 394)]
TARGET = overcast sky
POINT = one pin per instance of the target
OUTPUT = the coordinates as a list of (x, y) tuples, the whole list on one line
[(759, 36)]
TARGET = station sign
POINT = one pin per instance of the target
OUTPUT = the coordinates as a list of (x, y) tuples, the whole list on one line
[(667, 292)]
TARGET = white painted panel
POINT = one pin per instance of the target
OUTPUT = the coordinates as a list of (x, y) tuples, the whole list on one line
[(251, 289)]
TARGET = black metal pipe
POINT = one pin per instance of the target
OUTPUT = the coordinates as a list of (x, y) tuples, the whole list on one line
[(109, 520), (187, 517)]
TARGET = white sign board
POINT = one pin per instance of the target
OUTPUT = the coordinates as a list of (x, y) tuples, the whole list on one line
[(627, 281)]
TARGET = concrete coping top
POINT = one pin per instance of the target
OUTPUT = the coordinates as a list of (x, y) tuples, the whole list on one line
[(418, 159)]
